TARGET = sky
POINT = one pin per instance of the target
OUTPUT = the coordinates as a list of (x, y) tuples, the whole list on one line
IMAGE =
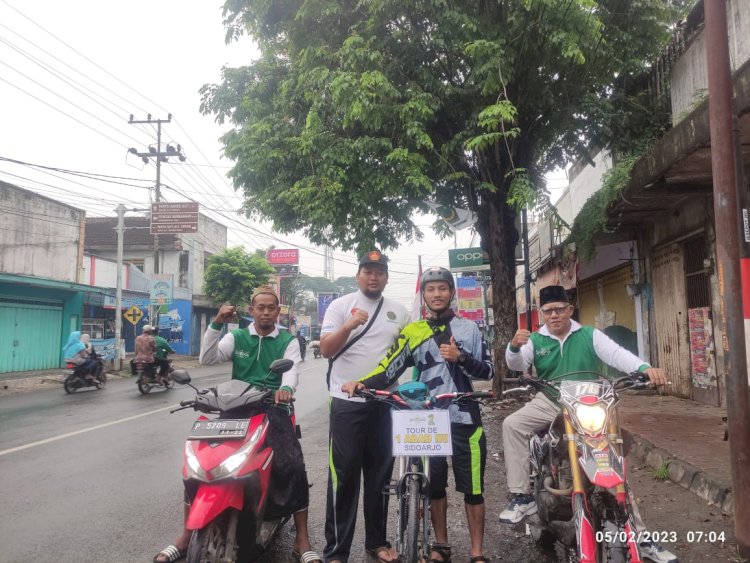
[(72, 73)]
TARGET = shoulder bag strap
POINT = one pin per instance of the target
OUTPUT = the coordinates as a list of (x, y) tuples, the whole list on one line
[(352, 342)]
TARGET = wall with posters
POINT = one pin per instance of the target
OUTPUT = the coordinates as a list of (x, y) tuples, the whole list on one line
[(324, 300), (174, 325), (470, 298)]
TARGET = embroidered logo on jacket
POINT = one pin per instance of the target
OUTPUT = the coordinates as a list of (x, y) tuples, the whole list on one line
[(241, 354), (543, 352)]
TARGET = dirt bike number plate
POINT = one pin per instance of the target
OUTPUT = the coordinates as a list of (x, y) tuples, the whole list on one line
[(227, 429)]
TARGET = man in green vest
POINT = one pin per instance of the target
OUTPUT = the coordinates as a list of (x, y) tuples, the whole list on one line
[(252, 350), (160, 357), (560, 346)]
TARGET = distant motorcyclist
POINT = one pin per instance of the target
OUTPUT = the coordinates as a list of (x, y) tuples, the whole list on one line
[(145, 349), (160, 357), (77, 351)]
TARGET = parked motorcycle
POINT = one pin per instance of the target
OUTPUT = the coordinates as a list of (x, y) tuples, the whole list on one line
[(150, 377), (75, 379), (315, 344), (579, 473), (227, 471)]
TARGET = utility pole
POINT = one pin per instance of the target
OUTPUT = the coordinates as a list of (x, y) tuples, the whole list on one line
[(726, 211), (328, 262), (156, 153), (526, 267), (118, 294)]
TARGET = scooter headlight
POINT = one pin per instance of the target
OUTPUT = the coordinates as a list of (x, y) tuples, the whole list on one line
[(235, 461), (591, 418), (194, 469)]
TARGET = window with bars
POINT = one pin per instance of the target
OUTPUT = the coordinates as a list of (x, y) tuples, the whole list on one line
[(697, 272), (184, 269)]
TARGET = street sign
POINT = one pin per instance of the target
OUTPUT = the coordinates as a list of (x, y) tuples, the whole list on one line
[(468, 259), (133, 315), (286, 270), (171, 218), (160, 289)]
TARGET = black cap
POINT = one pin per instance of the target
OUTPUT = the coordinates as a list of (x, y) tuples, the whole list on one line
[(374, 257), (552, 294)]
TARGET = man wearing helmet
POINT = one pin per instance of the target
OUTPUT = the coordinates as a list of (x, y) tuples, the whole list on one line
[(448, 352)]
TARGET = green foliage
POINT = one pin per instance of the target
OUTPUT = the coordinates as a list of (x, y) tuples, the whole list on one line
[(662, 472), (357, 112), (233, 275), (592, 219)]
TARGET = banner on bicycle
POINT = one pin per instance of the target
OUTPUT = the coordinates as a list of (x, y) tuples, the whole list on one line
[(422, 433)]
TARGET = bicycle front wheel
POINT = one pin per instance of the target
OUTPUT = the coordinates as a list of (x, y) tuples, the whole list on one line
[(411, 521)]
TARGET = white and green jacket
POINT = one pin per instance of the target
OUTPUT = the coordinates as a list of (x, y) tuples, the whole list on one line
[(583, 348)]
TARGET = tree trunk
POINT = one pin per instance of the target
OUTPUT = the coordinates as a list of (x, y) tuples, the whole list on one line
[(501, 244)]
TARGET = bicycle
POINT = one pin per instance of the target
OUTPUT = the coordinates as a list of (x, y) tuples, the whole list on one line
[(412, 485)]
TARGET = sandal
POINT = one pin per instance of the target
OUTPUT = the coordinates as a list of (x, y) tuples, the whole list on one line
[(171, 552), (443, 550), (306, 557), (381, 553), (478, 558)]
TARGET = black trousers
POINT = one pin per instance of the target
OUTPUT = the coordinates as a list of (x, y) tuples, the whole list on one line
[(163, 366), (359, 448), (289, 491)]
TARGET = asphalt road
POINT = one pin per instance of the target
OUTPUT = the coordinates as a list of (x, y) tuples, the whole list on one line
[(95, 476)]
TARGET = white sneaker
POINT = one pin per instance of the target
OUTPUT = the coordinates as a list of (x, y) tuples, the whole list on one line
[(654, 551), (518, 507)]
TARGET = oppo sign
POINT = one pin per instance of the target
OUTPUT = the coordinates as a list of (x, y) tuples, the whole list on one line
[(467, 259), (281, 256)]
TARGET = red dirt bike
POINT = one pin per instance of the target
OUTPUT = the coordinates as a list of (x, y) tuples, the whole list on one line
[(227, 471), (579, 471)]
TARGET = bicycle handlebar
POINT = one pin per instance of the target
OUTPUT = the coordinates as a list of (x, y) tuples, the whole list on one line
[(635, 380), (456, 396)]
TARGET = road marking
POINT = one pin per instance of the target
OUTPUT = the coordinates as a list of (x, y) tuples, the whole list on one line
[(97, 427), (83, 430)]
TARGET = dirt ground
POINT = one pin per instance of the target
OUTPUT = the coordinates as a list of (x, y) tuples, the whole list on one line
[(666, 507)]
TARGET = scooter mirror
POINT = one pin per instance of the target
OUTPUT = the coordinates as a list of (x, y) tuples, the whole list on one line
[(281, 366), (181, 376)]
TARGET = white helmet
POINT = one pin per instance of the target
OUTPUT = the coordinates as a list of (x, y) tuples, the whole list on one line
[(148, 328)]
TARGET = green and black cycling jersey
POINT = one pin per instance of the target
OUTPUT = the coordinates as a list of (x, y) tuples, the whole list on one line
[(418, 345)]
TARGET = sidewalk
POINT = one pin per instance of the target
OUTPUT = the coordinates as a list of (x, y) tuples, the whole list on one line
[(26, 381), (685, 436)]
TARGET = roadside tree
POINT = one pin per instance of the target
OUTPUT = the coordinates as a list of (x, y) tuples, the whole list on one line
[(232, 275), (355, 113)]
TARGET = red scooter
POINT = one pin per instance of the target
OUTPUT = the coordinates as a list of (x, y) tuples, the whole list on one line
[(227, 471)]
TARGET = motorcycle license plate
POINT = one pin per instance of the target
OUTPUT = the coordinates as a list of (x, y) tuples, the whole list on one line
[(227, 429)]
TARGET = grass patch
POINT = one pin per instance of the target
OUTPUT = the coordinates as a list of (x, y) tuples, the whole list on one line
[(662, 472)]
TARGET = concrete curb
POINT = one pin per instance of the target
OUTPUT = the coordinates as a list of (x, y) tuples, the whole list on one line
[(685, 474), (26, 382)]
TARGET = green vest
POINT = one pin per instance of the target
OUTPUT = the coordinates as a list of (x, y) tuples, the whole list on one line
[(254, 354), (576, 354), (162, 348)]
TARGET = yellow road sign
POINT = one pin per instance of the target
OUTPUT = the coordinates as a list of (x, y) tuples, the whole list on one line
[(133, 315)]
